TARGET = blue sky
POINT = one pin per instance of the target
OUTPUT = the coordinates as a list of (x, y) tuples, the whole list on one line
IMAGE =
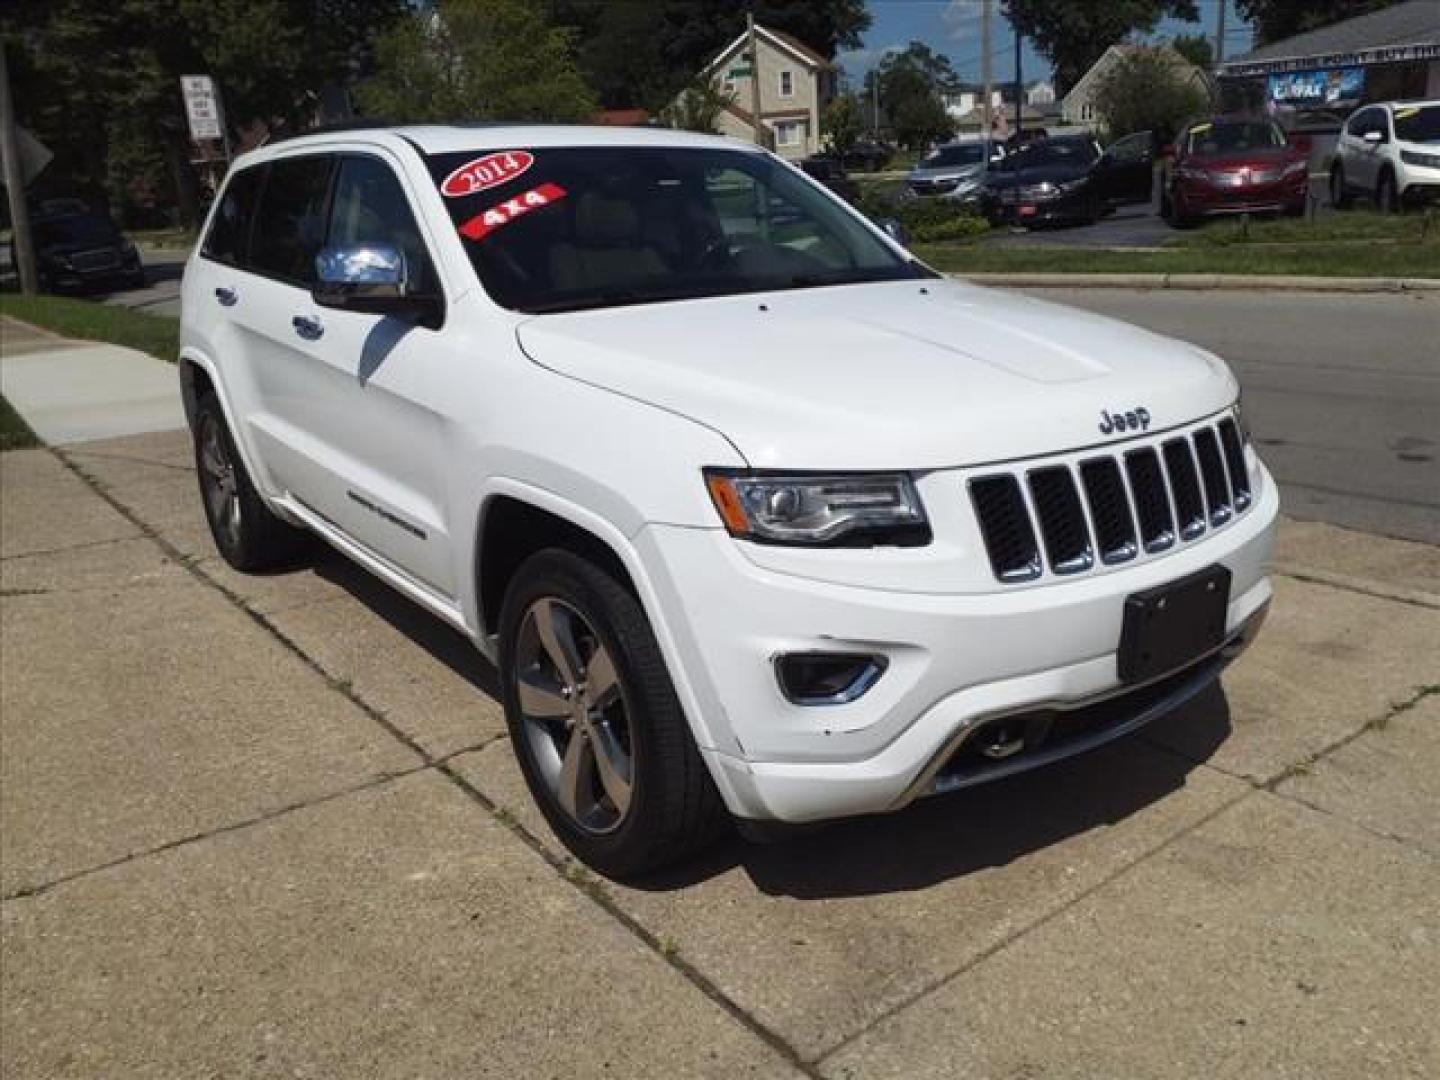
[(952, 27)]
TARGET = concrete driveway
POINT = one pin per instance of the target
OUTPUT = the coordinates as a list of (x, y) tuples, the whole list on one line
[(263, 826)]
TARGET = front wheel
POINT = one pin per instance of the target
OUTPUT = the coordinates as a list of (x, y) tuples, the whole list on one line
[(595, 722), (1339, 198), (1387, 199)]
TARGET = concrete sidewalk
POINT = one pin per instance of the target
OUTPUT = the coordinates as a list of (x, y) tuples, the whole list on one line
[(80, 391), (266, 825)]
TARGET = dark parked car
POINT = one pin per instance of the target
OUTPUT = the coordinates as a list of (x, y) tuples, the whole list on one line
[(1234, 165), (1067, 178), (75, 250), (868, 156), (831, 173)]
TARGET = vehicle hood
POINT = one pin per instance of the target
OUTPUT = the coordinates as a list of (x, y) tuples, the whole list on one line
[(71, 247), (946, 172), (1252, 159), (898, 375), (1055, 174)]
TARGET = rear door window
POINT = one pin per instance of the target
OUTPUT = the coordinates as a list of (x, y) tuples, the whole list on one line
[(290, 222), (229, 234)]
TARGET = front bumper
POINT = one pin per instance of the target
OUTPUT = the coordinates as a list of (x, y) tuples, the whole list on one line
[(1197, 198), (956, 662)]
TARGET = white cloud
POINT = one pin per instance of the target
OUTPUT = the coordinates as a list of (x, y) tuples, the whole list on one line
[(961, 19), (857, 61)]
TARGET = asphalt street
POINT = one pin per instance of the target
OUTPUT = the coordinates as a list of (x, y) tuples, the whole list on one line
[(1342, 392)]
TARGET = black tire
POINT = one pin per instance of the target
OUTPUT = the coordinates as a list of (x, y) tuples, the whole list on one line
[(1387, 198), (1167, 209), (672, 809), (247, 534), (1339, 197)]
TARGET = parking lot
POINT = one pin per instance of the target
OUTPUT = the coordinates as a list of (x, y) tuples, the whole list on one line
[(272, 825)]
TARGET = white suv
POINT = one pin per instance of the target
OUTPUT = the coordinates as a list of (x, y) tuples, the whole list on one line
[(1389, 153), (753, 511)]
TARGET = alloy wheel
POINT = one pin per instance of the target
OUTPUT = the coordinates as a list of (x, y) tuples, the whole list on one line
[(218, 481), (575, 716)]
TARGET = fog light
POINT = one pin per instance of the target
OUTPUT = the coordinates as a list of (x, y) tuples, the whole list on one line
[(827, 678)]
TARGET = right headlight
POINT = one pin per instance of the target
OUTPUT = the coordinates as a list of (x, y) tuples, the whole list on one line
[(819, 510)]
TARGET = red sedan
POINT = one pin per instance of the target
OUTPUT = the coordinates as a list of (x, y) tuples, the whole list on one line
[(1234, 166)]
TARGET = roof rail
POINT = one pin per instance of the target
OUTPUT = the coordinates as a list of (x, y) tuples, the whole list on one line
[(359, 124)]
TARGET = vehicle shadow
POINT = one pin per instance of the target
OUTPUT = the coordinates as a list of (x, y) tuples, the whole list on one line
[(439, 639), (933, 840), (950, 836)]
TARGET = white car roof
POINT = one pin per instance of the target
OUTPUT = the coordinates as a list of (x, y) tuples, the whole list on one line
[(445, 138)]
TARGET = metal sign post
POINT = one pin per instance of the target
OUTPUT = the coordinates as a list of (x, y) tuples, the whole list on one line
[(206, 118)]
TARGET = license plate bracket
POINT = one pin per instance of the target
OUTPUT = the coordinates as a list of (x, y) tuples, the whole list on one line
[(1173, 624)]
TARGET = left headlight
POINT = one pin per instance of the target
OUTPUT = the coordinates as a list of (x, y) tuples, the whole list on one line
[(819, 510)]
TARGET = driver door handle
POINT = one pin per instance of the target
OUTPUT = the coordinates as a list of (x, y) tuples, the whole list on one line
[(308, 328), (227, 297)]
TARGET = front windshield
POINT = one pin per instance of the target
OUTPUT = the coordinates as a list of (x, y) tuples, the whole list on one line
[(560, 229), (1217, 140), (76, 230), (1418, 123), (947, 156), (1051, 152)]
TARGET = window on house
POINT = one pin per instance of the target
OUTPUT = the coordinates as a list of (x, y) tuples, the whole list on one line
[(789, 133), (787, 84), (727, 85)]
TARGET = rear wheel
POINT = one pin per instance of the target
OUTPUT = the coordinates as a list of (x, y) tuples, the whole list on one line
[(595, 722), (1339, 197), (248, 535)]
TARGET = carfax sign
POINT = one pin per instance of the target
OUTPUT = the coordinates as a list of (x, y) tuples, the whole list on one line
[(1321, 89)]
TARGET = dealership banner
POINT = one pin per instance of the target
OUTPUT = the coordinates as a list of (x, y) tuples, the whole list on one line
[(1316, 89)]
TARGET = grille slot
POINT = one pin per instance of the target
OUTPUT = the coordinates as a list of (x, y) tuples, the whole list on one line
[(1109, 510), (1152, 504), (1005, 524), (1212, 475), (1235, 459), (1062, 520), (1114, 507), (1185, 486)]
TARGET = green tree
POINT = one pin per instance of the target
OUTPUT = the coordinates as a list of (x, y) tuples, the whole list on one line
[(1073, 34), (1276, 19), (1148, 91), (1196, 48), (843, 124), (476, 60), (911, 84), (697, 107), (100, 81)]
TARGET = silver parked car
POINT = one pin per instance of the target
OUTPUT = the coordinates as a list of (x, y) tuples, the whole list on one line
[(955, 170)]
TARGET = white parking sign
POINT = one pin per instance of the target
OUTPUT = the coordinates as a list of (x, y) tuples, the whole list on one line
[(202, 108)]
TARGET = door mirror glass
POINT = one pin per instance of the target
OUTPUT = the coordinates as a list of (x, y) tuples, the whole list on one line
[(371, 278)]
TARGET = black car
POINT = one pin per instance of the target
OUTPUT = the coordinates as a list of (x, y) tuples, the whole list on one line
[(1067, 178), (831, 173), (76, 250), (867, 156)]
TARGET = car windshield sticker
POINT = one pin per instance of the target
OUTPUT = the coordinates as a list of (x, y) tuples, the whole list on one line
[(487, 221), (1406, 113), (486, 172)]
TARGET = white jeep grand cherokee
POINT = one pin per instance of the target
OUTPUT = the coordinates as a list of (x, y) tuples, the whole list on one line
[(754, 512)]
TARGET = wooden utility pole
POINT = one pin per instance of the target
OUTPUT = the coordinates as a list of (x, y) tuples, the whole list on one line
[(1019, 88), (21, 243), (754, 51), (1220, 32), (985, 66)]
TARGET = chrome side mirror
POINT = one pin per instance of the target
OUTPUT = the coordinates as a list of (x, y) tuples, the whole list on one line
[(372, 278), (893, 229)]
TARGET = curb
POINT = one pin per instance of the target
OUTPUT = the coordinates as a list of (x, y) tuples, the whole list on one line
[(1207, 282)]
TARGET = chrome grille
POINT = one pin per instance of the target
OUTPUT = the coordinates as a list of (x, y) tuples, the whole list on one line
[(1112, 507)]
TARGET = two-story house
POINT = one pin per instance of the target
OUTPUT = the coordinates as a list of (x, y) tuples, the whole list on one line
[(796, 84)]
